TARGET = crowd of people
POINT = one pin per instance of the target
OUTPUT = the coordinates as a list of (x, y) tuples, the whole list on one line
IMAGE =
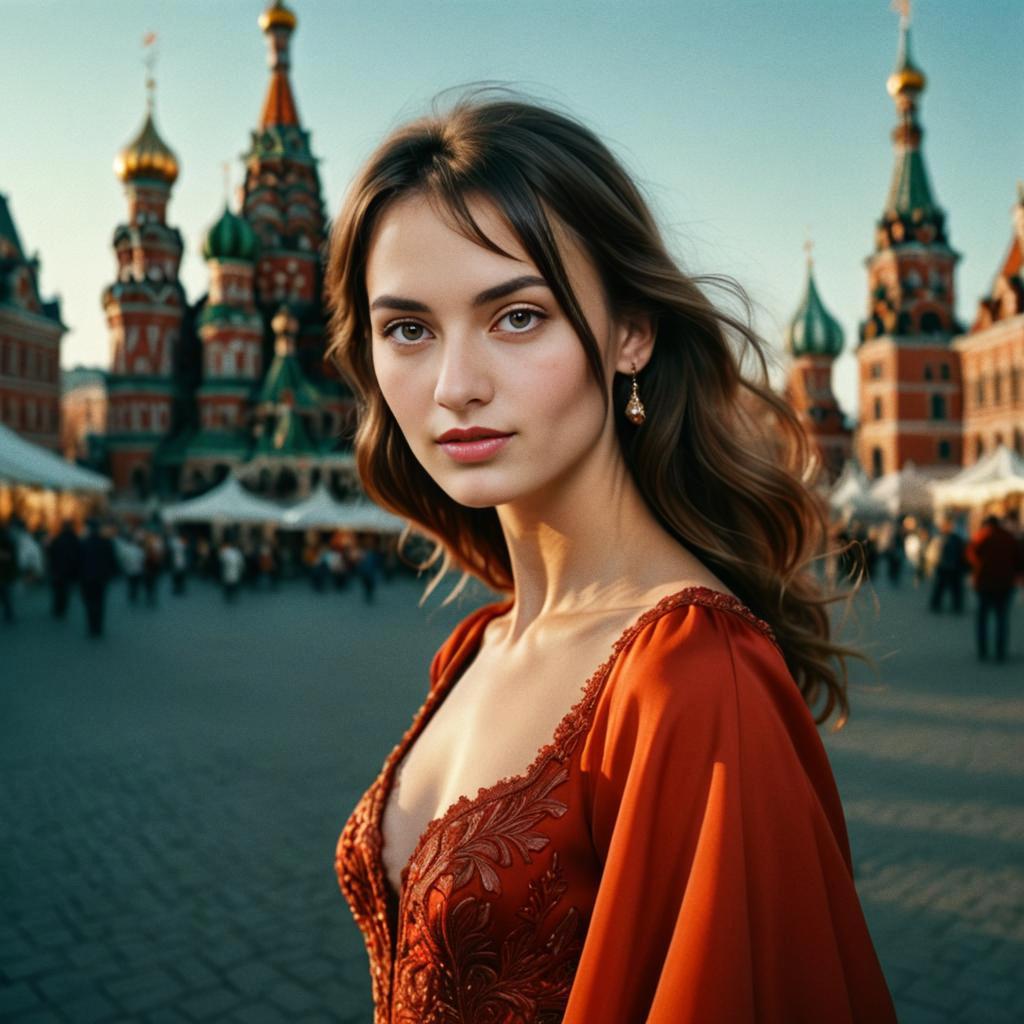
[(89, 560), (940, 559)]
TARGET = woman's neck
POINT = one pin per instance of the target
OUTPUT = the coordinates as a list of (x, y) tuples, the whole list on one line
[(589, 545)]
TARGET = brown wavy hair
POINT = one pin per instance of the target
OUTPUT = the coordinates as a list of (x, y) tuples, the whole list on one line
[(722, 460)]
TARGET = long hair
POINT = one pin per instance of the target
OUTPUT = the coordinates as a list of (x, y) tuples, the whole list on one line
[(722, 460)]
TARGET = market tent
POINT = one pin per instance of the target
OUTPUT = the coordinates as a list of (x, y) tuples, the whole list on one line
[(907, 490), (993, 478), (228, 502), (322, 511), (22, 462), (850, 493)]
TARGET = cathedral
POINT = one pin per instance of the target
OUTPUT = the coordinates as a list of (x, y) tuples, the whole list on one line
[(235, 382), (931, 392)]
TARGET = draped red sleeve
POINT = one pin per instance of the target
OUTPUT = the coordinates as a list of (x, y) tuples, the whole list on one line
[(726, 894)]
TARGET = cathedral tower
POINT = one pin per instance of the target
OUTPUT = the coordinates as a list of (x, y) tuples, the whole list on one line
[(909, 373), (144, 308), (814, 339)]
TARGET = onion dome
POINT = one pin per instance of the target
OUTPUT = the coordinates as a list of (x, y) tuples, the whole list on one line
[(231, 238), (277, 16), (813, 331), (147, 156), (907, 78)]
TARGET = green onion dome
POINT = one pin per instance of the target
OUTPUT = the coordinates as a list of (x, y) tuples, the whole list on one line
[(813, 330), (231, 238)]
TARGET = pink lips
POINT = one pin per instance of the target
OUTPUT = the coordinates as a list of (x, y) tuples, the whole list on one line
[(473, 449)]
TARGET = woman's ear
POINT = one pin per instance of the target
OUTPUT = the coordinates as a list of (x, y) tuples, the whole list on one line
[(635, 341)]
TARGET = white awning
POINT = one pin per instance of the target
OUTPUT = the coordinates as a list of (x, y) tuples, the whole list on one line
[(993, 478), (908, 490), (850, 493), (228, 502), (22, 462), (321, 511)]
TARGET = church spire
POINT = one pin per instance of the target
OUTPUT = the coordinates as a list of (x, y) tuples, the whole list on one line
[(278, 23), (910, 194)]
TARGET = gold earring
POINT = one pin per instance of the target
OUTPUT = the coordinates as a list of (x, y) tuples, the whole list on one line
[(634, 407)]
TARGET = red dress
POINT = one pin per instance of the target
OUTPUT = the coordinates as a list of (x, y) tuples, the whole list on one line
[(677, 854)]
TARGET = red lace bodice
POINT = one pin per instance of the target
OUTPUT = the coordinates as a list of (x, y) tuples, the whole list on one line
[(498, 892)]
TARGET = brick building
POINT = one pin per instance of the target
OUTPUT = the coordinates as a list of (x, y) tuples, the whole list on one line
[(30, 336), (909, 387), (992, 357)]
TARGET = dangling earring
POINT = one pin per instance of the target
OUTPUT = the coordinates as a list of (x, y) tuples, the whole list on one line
[(634, 407)]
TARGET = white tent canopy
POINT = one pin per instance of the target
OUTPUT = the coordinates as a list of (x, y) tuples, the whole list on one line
[(850, 493), (907, 490), (228, 502), (22, 462), (321, 511), (993, 478)]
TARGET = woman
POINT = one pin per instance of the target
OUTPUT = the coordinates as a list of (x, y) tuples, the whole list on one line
[(543, 392)]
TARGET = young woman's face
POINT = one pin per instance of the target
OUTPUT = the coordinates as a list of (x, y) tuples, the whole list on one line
[(466, 338)]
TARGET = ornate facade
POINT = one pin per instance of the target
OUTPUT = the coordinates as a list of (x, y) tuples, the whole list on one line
[(910, 398), (235, 381), (992, 356), (814, 339), (30, 335)]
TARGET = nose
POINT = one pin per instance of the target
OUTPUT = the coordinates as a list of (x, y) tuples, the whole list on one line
[(464, 376)]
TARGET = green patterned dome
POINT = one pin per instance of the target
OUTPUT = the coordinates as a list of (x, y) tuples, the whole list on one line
[(813, 331), (231, 238)]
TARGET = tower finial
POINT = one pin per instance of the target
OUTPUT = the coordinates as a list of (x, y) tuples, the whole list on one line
[(809, 248), (226, 168), (149, 59), (902, 8)]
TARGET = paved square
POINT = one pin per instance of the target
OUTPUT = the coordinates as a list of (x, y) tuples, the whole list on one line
[(172, 793)]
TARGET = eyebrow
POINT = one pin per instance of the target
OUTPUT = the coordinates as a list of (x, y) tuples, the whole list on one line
[(498, 291)]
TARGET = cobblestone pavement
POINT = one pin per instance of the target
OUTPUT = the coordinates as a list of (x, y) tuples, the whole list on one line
[(172, 793)]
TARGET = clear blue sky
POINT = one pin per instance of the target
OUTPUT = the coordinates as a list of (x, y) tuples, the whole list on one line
[(748, 121)]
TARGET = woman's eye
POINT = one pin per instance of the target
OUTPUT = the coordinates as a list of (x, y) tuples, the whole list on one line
[(522, 320), (408, 332)]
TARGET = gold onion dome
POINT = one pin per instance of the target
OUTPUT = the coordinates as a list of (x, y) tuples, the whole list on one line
[(907, 77), (277, 16), (147, 156)]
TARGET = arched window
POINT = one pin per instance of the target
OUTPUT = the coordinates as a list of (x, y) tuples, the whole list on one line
[(938, 407), (927, 371), (877, 462), (878, 408), (944, 451), (979, 448), (944, 371), (930, 323)]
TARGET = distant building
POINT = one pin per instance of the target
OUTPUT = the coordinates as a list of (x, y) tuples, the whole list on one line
[(910, 392), (237, 380), (30, 336), (814, 339), (992, 356), (83, 420)]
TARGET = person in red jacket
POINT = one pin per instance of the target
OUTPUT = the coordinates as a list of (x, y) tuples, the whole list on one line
[(995, 558)]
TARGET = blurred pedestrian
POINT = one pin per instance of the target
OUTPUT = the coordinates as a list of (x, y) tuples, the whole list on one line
[(179, 562), (8, 571), (891, 548), (268, 562), (914, 549), (995, 557), (152, 563), (97, 566), (132, 558), (369, 569), (950, 564), (63, 566), (232, 568)]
